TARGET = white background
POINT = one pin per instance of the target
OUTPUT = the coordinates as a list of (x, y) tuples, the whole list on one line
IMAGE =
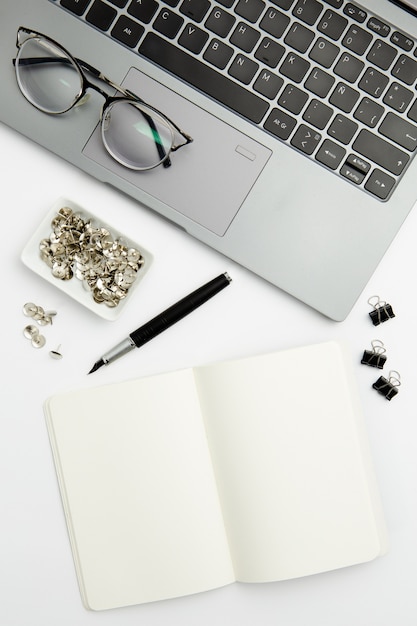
[(37, 578)]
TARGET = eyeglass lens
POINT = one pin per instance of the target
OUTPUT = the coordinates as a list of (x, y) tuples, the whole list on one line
[(135, 135), (47, 77)]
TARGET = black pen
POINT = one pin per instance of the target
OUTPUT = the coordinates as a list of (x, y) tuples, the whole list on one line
[(164, 320)]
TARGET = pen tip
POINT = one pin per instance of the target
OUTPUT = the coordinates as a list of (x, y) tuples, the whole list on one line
[(96, 366)]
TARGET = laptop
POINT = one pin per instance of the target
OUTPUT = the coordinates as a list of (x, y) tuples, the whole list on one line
[(303, 115)]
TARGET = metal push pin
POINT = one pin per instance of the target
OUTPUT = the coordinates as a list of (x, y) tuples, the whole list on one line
[(388, 387), (47, 318), (382, 310), (31, 332), (29, 309), (56, 354), (38, 341), (375, 357), (38, 313)]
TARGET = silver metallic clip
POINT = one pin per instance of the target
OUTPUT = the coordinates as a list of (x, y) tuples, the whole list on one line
[(388, 387), (382, 310), (375, 357)]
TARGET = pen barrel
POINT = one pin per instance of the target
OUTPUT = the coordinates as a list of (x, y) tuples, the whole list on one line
[(179, 310)]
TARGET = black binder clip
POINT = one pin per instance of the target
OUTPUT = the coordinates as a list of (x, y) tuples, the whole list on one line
[(388, 387), (375, 357), (382, 311)]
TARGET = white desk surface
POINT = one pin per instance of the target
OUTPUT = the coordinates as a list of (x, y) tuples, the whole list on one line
[(37, 578)]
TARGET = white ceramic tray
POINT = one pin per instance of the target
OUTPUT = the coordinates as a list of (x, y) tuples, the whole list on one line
[(74, 287)]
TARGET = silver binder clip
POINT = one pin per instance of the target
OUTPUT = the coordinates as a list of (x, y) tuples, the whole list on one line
[(375, 357), (382, 310), (388, 387)]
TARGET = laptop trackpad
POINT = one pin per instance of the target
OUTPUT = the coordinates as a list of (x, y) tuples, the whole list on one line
[(210, 178)]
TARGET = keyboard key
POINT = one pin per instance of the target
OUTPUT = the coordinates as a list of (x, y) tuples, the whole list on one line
[(269, 52), (284, 4), (332, 25), (342, 129), (412, 113), (319, 82), (243, 69), (143, 10), (324, 52), (280, 124), (378, 27), (169, 23), (405, 70), (334, 3), (127, 31), (355, 12), (101, 15), (369, 112), (398, 97), (344, 97), (193, 38), (220, 22), (274, 22), (118, 3), (359, 164), (294, 67), (194, 9), (318, 114), (268, 84), (251, 10), (306, 139), (299, 37), (402, 132), (75, 6), (380, 184), (380, 152), (293, 99), (307, 11), (352, 174), (204, 78), (245, 37), (403, 41), (330, 154), (381, 54), (349, 67), (373, 82), (357, 39), (218, 54)]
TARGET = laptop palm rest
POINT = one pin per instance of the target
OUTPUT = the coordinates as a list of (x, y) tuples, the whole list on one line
[(210, 178)]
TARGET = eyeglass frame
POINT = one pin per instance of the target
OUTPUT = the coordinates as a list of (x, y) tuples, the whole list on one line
[(83, 68)]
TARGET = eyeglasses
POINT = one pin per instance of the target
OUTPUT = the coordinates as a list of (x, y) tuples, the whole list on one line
[(133, 132)]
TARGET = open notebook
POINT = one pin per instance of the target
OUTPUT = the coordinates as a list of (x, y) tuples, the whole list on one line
[(250, 470)]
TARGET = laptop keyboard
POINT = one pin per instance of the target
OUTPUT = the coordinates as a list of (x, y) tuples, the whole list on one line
[(328, 78)]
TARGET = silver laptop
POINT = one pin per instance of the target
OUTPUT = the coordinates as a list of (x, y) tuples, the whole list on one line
[(302, 115)]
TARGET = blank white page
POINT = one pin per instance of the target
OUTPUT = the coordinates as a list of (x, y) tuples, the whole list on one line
[(292, 463), (138, 491)]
